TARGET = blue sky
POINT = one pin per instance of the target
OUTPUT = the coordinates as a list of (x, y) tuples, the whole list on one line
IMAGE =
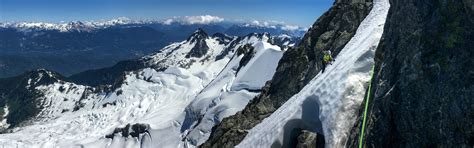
[(295, 12)]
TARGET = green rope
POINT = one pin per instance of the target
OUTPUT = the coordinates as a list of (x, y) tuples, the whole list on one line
[(361, 137)]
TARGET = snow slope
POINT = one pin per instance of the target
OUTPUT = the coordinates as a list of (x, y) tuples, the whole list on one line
[(333, 96), (252, 75), (195, 90), (231, 91), (140, 99)]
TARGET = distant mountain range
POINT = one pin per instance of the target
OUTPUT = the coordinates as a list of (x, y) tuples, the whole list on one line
[(73, 47), (275, 28)]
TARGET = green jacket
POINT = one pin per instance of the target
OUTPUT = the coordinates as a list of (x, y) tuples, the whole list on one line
[(327, 58)]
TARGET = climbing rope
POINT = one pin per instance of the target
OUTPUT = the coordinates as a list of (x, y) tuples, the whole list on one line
[(361, 137)]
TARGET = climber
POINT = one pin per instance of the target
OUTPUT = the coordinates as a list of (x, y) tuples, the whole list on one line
[(327, 59)]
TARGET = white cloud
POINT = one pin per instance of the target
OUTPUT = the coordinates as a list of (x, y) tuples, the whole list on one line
[(203, 19), (290, 27), (168, 21), (274, 24), (269, 24), (209, 19)]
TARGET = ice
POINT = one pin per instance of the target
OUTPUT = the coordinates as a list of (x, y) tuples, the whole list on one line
[(165, 100), (230, 92), (334, 96)]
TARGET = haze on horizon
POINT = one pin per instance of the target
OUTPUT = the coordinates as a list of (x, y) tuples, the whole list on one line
[(295, 12)]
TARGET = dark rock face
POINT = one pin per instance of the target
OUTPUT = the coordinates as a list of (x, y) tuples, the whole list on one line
[(296, 68), (423, 86), (106, 76), (200, 48), (222, 38), (308, 139), (133, 131), (248, 52), (274, 40), (235, 43), (20, 95), (280, 41)]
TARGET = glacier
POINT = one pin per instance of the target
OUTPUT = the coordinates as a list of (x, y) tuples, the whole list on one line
[(232, 89), (177, 107)]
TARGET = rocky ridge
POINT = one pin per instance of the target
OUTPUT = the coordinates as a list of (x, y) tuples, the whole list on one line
[(296, 68), (422, 89)]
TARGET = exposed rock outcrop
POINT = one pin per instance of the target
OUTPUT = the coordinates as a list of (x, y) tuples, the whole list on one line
[(308, 139), (423, 86), (200, 48), (297, 67), (248, 51), (106, 76), (20, 95), (130, 131)]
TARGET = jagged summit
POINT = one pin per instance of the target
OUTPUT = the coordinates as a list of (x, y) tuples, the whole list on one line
[(199, 34), (200, 31), (258, 35), (222, 38), (78, 26), (20, 98), (198, 39), (41, 77), (44, 71)]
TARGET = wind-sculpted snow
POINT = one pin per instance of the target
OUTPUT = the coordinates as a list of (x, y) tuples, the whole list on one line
[(257, 71), (179, 98), (147, 96), (230, 92), (54, 106), (333, 96)]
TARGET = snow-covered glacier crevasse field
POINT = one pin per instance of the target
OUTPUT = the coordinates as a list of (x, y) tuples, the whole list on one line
[(159, 99), (146, 96), (334, 96), (231, 91)]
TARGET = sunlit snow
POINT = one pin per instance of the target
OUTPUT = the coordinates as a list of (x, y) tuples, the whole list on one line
[(333, 96), (180, 104)]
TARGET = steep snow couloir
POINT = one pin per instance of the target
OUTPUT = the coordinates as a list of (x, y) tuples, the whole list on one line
[(329, 102)]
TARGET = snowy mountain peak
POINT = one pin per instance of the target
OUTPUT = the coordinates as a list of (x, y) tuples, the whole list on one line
[(199, 34), (120, 20), (70, 26), (42, 76), (261, 36), (222, 38), (198, 40), (257, 34), (77, 26), (76, 23)]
